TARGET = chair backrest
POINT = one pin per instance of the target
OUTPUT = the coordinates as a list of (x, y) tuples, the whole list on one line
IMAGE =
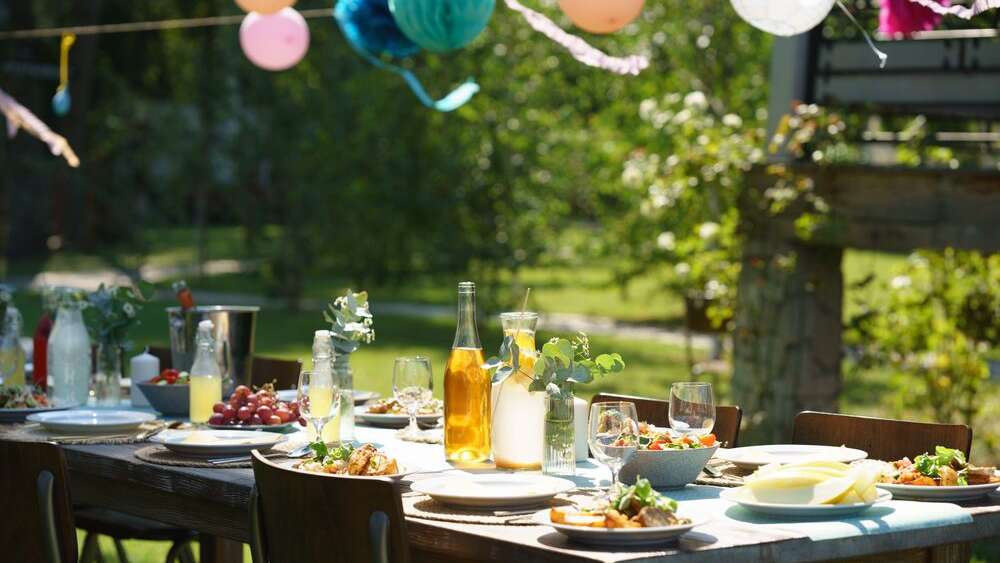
[(655, 411), (283, 373), (39, 526), (163, 354), (882, 438), (303, 516)]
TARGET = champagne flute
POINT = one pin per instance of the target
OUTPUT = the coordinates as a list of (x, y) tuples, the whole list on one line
[(319, 399), (692, 408), (613, 436), (412, 385)]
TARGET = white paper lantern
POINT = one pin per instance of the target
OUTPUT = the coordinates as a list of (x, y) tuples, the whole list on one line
[(783, 17)]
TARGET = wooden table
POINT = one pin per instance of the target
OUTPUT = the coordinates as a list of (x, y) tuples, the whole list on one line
[(216, 502)]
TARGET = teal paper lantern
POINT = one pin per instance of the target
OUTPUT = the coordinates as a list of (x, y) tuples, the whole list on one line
[(442, 25)]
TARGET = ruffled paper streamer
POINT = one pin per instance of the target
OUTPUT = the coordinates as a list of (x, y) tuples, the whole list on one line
[(580, 49), (882, 57), (902, 17), (964, 12), (19, 117), (375, 33)]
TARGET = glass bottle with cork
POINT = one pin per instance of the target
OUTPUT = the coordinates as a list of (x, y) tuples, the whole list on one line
[(466, 388), (205, 381)]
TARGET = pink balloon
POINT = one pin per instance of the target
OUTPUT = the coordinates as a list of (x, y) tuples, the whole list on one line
[(274, 41)]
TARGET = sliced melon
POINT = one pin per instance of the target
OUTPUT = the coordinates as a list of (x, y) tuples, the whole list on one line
[(827, 491), (820, 464)]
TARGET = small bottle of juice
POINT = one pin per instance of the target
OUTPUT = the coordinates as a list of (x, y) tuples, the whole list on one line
[(206, 377)]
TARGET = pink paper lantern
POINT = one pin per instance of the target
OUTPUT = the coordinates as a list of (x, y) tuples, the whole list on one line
[(264, 6), (275, 41)]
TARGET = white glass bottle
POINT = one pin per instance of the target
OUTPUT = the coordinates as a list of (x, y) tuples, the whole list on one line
[(322, 367), (69, 358), (205, 376), (12, 356)]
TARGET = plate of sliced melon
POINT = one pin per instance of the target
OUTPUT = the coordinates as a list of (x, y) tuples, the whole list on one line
[(811, 489)]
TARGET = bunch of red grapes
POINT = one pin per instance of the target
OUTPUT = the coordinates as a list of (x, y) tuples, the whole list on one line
[(262, 408)]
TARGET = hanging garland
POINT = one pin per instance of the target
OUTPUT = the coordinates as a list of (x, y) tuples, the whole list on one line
[(964, 12)]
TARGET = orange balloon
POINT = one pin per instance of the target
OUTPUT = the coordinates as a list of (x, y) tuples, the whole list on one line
[(601, 16), (264, 6)]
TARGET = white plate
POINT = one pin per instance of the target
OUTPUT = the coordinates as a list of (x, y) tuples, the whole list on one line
[(360, 397), (802, 510), (392, 420), (493, 490), (215, 442), (939, 494), (751, 457), (620, 536), (18, 415), (91, 421)]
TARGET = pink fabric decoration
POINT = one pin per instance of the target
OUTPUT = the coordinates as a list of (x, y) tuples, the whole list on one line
[(965, 12), (580, 49), (19, 117), (902, 17), (274, 41)]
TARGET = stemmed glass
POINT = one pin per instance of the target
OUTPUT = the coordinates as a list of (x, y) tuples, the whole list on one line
[(692, 408), (412, 384), (613, 436), (319, 399)]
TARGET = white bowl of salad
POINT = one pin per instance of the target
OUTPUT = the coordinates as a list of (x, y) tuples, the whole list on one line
[(667, 459)]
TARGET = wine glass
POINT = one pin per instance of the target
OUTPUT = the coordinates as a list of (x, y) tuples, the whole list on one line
[(412, 384), (692, 408), (613, 436), (319, 398)]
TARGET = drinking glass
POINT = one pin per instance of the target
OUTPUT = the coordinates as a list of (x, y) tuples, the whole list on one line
[(412, 384), (319, 399), (692, 408), (613, 436)]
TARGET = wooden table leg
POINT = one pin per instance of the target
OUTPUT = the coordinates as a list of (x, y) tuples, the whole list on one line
[(214, 549)]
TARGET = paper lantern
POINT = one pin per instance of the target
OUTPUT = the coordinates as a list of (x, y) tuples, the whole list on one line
[(275, 41), (442, 25), (264, 6), (783, 17), (372, 31), (370, 28), (601, 16)]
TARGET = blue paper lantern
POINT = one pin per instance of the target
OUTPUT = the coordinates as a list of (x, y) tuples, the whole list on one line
[(442, 25), (371, 30)]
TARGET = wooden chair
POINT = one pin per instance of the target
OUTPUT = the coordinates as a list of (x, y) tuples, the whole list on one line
[(297, 516), (39, 526), (882, 438), (284, 373), (654, 411)]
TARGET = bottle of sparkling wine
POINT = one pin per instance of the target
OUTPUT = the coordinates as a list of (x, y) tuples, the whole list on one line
[(466, 388)]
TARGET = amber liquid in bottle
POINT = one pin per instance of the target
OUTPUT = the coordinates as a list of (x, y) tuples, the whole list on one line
[(466, 388)]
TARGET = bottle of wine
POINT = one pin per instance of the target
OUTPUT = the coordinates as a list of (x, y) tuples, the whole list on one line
[(466, 388)]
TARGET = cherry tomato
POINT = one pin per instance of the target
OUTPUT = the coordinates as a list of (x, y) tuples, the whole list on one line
[(708, 440), (655, 446)]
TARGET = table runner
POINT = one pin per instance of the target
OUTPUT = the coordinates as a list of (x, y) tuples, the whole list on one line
[(34, 432)]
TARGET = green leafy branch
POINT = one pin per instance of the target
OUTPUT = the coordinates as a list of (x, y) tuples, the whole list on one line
[(351, 321), (561, 364)]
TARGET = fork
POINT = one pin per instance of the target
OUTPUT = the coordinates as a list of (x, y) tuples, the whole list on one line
[(294, 454)]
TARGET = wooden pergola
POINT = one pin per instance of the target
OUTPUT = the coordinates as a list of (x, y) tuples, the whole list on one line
[(787, 335)]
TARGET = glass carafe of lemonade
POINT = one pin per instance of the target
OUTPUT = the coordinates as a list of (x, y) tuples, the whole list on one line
[(322, 371), (466, 387), (205, 382), (519, 414)]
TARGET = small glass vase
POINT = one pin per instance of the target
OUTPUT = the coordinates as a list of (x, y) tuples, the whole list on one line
[(343, 376), (107, 382), (559, 454)]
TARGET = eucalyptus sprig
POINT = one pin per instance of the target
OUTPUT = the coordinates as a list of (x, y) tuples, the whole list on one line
[(351, 322), (561, 364), (110, 312), (5, 299)]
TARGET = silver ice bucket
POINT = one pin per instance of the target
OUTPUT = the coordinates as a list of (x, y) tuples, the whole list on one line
[(234, 339)]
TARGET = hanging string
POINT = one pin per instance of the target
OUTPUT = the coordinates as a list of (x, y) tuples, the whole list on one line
[(67, 43), (964, 12), (580, 49), (159, 25), (882, 57)]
